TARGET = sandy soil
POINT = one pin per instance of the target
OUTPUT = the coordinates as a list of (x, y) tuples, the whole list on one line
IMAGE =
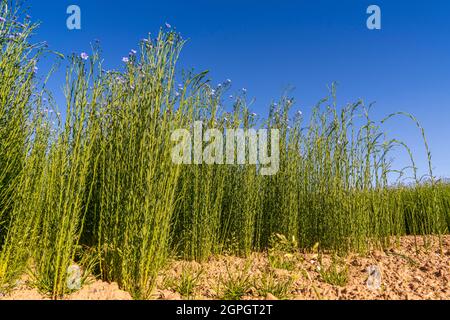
[(406, 274), (92, 290)]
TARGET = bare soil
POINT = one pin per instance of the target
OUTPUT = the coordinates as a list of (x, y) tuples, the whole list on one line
[(409, 271)]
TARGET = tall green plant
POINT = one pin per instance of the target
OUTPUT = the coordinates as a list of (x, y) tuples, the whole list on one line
[(18, 60)]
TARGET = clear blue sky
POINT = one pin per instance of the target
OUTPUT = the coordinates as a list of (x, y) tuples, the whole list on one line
[(266, 46)]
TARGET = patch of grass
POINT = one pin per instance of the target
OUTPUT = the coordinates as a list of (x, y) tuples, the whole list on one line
[(336, 274), (236, 284), (282, 252), (411, 261), (275, 285), (189, 281)]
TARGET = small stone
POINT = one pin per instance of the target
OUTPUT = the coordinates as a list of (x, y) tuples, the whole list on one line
[(169, 295), (378, 254), (271, 297), (174, 296)]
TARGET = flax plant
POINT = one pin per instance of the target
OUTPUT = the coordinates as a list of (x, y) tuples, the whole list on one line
[(18, 129)]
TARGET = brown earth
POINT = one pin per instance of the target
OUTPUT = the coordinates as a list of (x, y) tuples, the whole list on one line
[(92, 290), (408, 272)]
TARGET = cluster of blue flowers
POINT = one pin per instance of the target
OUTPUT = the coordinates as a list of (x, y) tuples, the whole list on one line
[(14, 35)]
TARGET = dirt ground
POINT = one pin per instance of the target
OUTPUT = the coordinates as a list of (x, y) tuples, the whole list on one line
[(406, 274)]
